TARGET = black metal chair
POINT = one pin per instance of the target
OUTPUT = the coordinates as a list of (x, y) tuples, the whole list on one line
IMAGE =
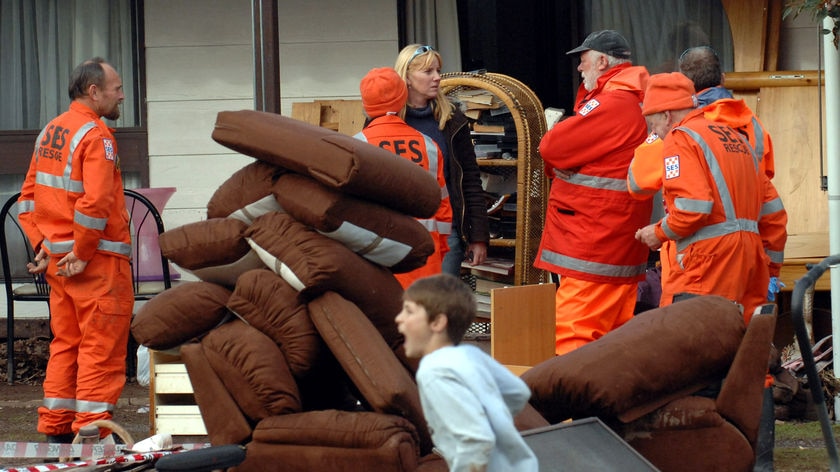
[(150, 270), (20, 285)]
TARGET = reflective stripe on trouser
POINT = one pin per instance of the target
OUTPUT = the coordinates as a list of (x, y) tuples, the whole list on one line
[(585, 311), (434, 263), (90, 319)]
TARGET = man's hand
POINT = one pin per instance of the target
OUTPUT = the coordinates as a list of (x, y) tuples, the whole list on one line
[(42, 260), (647, 236), (71, 265)]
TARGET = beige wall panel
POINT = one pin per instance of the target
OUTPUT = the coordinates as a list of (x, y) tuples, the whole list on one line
[(336, 21), (317, 70), (195, 73), (197, 22), (185, 127), (791, 116), (205, 174)]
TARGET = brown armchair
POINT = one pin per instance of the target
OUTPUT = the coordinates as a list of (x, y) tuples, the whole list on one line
[(642, 380)]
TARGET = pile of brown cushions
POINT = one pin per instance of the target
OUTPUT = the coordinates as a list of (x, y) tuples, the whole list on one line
[(289, 336)]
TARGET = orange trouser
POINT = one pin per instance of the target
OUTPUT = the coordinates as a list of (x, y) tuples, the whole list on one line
[(90, 316), (434, 264), (585, 311)]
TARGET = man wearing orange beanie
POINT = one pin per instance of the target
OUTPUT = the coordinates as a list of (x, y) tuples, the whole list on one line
[(713, 189), (384, 94)]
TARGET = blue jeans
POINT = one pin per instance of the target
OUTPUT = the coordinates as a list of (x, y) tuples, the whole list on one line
[(452, 260)]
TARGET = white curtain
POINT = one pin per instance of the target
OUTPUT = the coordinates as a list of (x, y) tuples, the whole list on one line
[(657, 40), (43, 40), (435, 22)]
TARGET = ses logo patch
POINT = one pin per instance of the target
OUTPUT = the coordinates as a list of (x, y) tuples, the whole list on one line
[(109, 149), (590, 105), (672, 167)]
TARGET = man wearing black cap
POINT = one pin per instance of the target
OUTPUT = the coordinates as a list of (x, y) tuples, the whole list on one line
[(591, 220)]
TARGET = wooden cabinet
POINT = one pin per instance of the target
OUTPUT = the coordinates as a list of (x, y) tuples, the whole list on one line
[(518, 241)]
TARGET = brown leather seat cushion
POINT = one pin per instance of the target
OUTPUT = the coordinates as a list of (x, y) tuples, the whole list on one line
[(313, 264), (269, 304), (179, 314), (657, 356), (332, 440), (253, 369), (250, 184), (372, 366), (334, 159), (377, 233)]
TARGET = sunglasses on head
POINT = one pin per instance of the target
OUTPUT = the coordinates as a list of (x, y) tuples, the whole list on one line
[(419, 51)]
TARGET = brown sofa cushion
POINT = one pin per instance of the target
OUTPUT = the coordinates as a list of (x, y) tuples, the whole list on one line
[(655, 357), (313, 264), (332, 440), (377, 233), (269, 304), (224, 421), (179, 314), (334, 159), (206, 243), (253, 370), (372, 366), (242, 189)]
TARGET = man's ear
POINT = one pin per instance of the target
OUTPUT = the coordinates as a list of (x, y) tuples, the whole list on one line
[(439, 323)]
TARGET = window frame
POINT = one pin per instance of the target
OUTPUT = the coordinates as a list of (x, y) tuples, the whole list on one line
[(132, 142)]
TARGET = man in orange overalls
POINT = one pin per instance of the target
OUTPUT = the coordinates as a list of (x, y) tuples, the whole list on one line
[(714, 190), (702, 66), (73, 211), (383, 96)]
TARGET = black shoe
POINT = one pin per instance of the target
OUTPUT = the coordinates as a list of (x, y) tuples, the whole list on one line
[(66, 438)]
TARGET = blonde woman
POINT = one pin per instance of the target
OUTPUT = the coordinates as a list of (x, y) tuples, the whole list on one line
[(429, 111)]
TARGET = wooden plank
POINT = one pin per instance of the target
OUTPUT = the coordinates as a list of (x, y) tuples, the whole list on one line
[(794, 269), (179, 420), (790, 115), (748, 23), (309, 112), (807, 245), (348, 114), (522, 324)]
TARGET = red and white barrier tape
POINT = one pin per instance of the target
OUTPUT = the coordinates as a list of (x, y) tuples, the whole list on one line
[(12, 449), (124, 459)]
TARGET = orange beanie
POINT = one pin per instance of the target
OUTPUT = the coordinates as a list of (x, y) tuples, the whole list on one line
[(383, 92), (668, 91)]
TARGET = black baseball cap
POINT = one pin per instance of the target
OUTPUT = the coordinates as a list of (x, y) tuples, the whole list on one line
[(608, 42)]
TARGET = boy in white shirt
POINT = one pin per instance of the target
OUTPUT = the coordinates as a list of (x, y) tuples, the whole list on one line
[(468, 398)]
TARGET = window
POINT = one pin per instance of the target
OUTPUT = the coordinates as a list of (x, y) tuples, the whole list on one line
[(41, 41)]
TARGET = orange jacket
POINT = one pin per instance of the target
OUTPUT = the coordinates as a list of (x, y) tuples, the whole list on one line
[(72, 197), (392, 133), (644, 178), (714, 191), (591, 219)]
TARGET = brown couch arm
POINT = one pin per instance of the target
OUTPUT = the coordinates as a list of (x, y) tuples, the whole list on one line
[(741, 395)]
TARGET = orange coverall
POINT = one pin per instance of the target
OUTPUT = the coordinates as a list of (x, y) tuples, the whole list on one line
[(645, 178), (715, 191), (390, 132), (72, 200)]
